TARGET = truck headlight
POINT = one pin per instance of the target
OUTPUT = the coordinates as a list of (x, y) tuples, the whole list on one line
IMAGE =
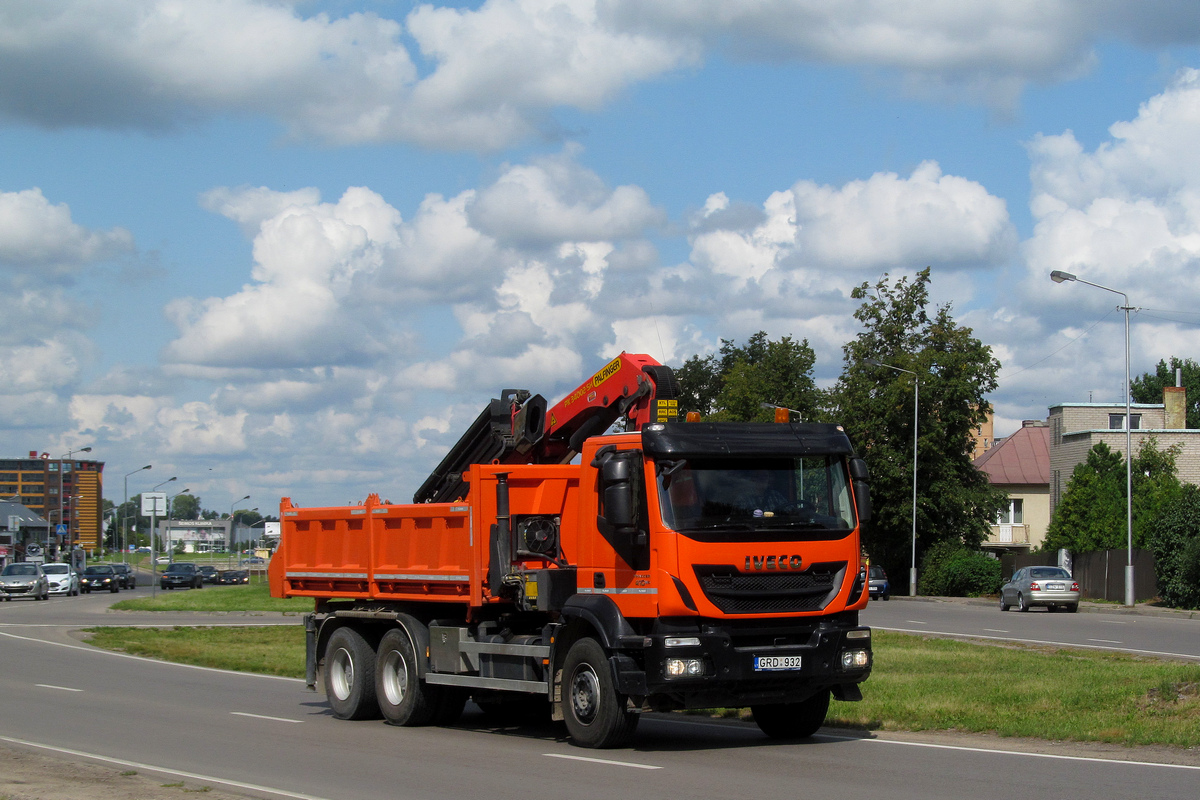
[(684, 667), (855, 659)]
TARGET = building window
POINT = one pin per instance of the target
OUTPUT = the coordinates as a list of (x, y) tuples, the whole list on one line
[(1013, 515), (1116, 422)]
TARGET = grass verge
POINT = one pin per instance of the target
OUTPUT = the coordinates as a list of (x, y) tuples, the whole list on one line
[(917, 683), (247, 597)]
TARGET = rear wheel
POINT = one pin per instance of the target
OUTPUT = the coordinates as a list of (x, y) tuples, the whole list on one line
[(594, 711), (404, 698), (1021, 604), (793, 720), (1072, 608), (350, 675)]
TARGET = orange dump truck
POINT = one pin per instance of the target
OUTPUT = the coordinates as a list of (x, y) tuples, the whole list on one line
[(680, 565)]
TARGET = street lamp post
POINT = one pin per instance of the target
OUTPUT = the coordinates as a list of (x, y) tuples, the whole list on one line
[(125, 519), (70, 454), (232, 543), (1058, 276), (912, 571), (171, 516)]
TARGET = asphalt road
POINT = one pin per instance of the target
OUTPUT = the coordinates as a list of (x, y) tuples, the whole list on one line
[(1145, 631), (269, 737)]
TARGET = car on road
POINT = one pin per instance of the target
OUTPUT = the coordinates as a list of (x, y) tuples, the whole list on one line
[(254, 561), (64, 579), (163, 560), (98, 577), (208, 573), (1052, 587), (181, 574), (24, 579), (233, 576), (126, 575), (878, 584)]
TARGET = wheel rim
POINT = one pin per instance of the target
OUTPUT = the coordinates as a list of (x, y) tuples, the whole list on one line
[(395, 677), (341, 674), (585, 694)]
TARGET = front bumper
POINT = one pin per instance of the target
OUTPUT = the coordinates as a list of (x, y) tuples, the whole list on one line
[(18, 589), (739, 670)]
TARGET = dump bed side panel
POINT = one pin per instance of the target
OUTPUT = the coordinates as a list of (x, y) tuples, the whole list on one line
[(375, 551)]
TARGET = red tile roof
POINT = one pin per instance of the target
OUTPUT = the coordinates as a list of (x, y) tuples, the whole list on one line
[(1023, 458)]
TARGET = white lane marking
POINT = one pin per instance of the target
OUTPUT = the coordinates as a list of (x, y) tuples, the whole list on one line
[(60, 688), (915, 622), (1078, 645), (1112, 621), (601, 761), (147, 660), (987, 750), (995, 630), (260, 716), (1105, 641), (991, 751), (163, 770)]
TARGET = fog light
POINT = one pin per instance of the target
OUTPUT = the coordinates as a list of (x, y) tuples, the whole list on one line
[(855, 659), (680, 667)]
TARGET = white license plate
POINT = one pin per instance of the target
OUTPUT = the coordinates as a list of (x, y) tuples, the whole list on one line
[(776, 663), (1056, 587)]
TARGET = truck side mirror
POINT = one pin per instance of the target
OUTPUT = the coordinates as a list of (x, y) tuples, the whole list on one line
[(620, 484), (862, 488)]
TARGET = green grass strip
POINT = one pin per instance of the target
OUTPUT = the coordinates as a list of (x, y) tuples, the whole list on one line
[(246, 597)]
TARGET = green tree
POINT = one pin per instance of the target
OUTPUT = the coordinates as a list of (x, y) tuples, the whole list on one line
[(733, 385), (1148, 388), (955, 501), (185, 506), (1092, 514), (1175, 539)]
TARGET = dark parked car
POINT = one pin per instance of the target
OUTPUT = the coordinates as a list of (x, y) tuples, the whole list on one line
[(126, 575), (100, 576), (234, 576), (208, 573), (1052, 587), (24, 579), (878, 583), (182, 573)]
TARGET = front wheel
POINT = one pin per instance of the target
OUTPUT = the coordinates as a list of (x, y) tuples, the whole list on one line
[(350, 675), (403, 697), (1003, 605), (594, 711), (793, 720)]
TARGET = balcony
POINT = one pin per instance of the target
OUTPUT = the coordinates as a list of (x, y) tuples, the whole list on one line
[(1008, 535)]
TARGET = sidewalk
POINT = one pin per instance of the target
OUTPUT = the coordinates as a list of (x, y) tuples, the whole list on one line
[(1085, 606)]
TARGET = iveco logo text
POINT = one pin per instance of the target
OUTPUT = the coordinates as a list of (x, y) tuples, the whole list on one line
[(772, 562)]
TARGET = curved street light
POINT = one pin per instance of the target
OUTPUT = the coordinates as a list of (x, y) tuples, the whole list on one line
[(125, 519), (912, 571), (1058, 276)]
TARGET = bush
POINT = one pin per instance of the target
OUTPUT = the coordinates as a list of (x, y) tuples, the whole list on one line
[(951, 570), (1175, 540)]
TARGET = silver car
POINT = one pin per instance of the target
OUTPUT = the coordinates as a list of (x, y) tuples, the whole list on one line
[(24, 579), (63, 579), (1052, 587)]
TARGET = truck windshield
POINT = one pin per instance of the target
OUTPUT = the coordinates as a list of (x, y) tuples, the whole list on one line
[(756, 498)]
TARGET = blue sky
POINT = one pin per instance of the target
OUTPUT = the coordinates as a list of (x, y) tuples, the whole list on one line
[(291, 249)]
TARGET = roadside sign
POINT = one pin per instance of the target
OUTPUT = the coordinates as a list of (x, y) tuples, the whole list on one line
[(154, 504), (60, 529)]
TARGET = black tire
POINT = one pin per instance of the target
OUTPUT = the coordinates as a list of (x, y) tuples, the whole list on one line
[(594, 710), (115, 588), (404, 699), (1072, 608), (793, 720), (350, 675), (1003, 605), (887, 597), (1021, 604)]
